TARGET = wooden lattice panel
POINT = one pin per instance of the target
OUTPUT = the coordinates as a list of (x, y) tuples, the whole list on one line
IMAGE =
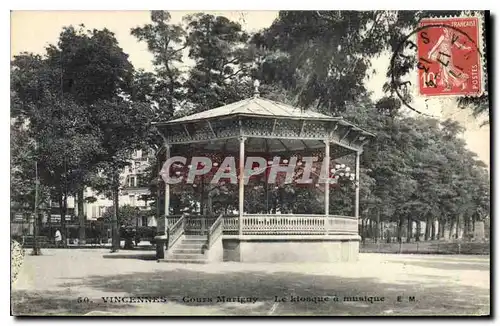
[(351, 138), (340, 132), (200, 131), (258, 127), (287, 128), (226, 128), (280, 134), (314, 129), (177, 134)]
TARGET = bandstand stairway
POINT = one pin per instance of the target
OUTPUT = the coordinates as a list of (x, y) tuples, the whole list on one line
[(189, 250), (191, 239)]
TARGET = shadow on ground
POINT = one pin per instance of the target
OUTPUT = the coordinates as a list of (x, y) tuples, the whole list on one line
[(26, 303), (447, 265), (130, 256), (431, 297)]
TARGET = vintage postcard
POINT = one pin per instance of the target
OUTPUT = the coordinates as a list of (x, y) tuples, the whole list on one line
[(250, 163)]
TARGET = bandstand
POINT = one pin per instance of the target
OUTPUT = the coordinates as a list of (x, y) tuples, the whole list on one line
[(251, 127)]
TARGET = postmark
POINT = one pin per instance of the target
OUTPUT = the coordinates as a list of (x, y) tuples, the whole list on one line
[(460, 67), (451, 59)]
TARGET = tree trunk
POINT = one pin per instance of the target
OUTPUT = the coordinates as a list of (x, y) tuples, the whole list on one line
[(115, 235), (400, 228), (442, 225), (427, 228), (363, 229), (408, 230), (202, 197), (433, 229), (465, 228), (418, 231), (378, 225), (457, 223), (210, 209), (81, 216), (62, 210), (266, 191)]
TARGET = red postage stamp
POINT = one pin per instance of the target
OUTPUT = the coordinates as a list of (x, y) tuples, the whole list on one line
[(449, 57)]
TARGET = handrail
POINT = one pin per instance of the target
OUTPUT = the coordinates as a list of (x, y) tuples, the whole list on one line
[(176, 231), (215, 231), (295, 215), (290, 224), (199, 224)]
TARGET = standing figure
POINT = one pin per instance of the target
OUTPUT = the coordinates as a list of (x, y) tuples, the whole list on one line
[(58, 238), (450, 75)]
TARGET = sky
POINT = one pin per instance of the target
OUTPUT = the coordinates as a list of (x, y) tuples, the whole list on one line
[(32, 31)]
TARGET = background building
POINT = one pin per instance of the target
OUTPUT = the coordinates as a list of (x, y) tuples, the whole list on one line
[(134, 191)]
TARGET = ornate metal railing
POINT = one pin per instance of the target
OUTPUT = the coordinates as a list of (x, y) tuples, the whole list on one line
[(230, 225), (215, 231), (172, 219), (260, 224), (175, 231), (199, 224), (338, 224), (281, 224)]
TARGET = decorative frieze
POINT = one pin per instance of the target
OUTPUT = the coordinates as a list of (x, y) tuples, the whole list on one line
[(281, 134)]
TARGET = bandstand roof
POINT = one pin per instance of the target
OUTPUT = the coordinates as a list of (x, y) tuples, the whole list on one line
[(256, 106), (268, 125)]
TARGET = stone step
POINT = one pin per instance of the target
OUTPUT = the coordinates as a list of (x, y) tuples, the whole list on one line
[(200, 241), (187, 251), (195, 237), (188, 246), (187, 256), (183, 261)]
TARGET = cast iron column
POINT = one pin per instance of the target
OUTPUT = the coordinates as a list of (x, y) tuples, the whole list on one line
[(326, 165), (356, 200), (162, 224), (241, 185), (167, 192)]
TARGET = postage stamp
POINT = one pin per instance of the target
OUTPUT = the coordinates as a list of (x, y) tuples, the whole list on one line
[(449, 50)]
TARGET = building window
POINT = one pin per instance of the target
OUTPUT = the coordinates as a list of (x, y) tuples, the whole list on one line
[(144, 221), (102, 209), (132, 181)]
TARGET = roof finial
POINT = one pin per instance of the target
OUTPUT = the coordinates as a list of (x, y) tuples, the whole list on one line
[(256, 85)]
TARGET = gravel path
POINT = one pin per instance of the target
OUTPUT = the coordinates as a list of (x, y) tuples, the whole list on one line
[(377, 284)]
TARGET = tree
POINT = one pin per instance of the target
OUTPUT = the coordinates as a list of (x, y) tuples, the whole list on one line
[(126, 218), (124, 127), (223, 62), (92, 65), (127, 215), (166, 42), (163, 89), (324, 56), (59, 127), (22, 172), (417, 169), (82, 106)]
